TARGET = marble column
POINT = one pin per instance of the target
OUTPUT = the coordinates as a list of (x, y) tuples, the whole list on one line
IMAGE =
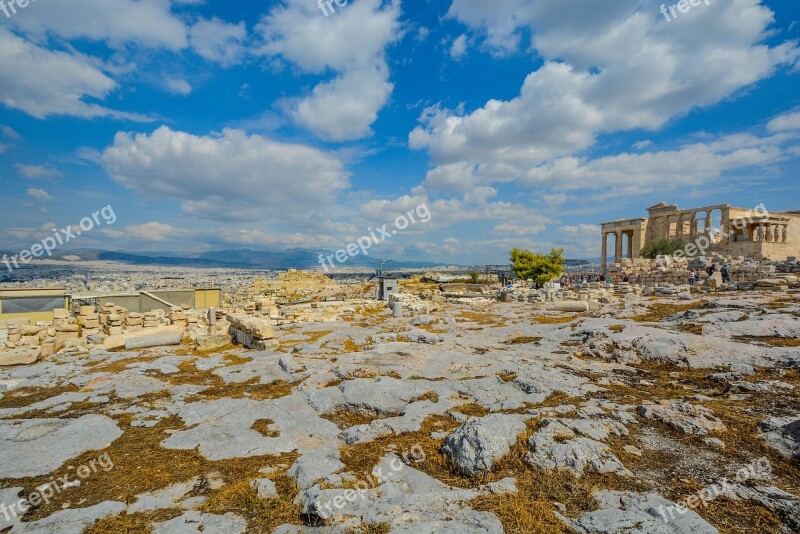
[(604, 253), (618, 247), (630, 245)]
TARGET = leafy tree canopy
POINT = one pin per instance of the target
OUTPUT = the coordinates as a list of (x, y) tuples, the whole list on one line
[(662, 247), (541, 268)]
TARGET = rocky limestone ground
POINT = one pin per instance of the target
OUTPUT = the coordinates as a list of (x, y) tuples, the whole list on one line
[(655, 415)]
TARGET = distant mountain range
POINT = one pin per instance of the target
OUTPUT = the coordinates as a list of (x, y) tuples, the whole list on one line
[(297, 258)]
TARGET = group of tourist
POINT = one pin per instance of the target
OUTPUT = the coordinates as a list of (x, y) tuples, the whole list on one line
[(694, 277), (567, 281)]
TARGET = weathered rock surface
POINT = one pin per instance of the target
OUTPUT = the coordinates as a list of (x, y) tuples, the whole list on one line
[(626, 512), (782, 434), (557, 446), (197, 523), (34, 447), (683, 416), (21, 356), (479, 443)]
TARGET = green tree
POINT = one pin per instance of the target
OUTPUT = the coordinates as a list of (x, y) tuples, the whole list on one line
[(541, 268), (662, 247)]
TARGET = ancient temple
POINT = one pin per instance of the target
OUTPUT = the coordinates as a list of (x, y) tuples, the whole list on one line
[(725, 230)]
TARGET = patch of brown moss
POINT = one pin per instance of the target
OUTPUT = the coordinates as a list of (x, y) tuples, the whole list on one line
[(471, 409), (483, 319), (265, 427), (429, 396), (138, 523), (263, 515), (507, 376), (523, 340), (660, 311), (141, 464), (555, 319), (24, 397), (770, 341), (251, 389)]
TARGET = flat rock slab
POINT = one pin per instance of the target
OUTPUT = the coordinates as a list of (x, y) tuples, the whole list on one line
[(684, 417), (37, 447), (71, 521), (634, 513), (195, 523)]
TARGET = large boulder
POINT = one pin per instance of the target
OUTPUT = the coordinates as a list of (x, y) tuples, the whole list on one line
[(21, 356), (255, 326), (714, 281), (782, 434), (479, 443)]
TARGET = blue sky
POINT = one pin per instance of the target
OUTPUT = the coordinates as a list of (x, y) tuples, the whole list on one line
[(210, 125)]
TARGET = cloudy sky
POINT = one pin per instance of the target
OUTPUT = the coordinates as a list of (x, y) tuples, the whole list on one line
[(211, 124)]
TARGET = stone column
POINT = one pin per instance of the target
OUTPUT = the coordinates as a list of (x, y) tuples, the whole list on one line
[(604, 253), (618, 247), (630, 245), (693, 227), (637, 243), (708, 224)]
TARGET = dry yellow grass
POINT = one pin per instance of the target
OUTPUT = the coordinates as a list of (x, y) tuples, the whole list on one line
[(345, 419), (523, 340), (250, 389), (659, 311), (771, 341), (483, 319), (428, 396), (553, 319), (142, 465), (265, 428)]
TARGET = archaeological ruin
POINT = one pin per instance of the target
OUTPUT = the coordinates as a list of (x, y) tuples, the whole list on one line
[(721, 230)]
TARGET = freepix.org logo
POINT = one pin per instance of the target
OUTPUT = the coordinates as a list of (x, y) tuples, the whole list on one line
[(9, 7)]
